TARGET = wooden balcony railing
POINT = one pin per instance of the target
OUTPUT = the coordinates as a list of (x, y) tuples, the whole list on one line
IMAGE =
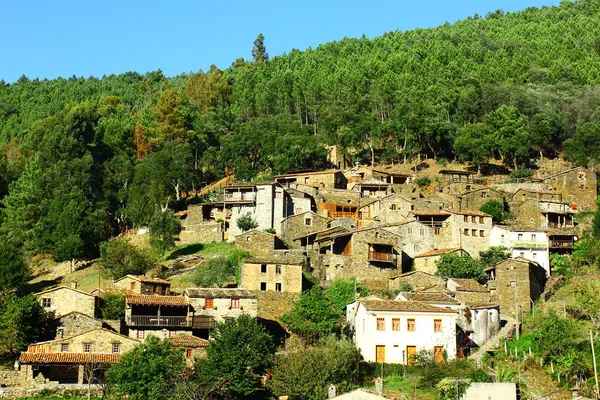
[(382, 257), (153, 320), (343, 214), (562, 243)]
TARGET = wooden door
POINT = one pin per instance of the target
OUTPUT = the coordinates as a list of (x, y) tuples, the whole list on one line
[(438, 354), (411, 355), (380, 354)]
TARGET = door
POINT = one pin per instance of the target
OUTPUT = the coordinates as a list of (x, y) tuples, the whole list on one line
[(411, 355), (380, 354), (438, 354)]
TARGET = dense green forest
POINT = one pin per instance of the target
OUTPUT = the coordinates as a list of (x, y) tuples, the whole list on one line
[(82, 159)]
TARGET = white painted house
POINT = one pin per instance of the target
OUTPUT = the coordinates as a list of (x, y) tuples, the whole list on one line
[(394, 331), (529, 244)]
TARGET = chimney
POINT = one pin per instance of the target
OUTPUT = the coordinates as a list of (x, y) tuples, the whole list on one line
[(379, 387), (73, 284), (331, 392), (575, 392)]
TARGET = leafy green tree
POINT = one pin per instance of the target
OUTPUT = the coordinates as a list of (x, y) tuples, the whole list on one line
[(313, 315), (22, 320), (246, 222), (259, 51), (494, 208), (214, 272), (112, 306), (14, 272), (344, 291), (163, 227), (453, 265), (307, 374), (583, 147), (494, 255), (146, 372), (118, 258), (237, 356)]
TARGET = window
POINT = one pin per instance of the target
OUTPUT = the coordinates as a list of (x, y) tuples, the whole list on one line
[(396, 324), (409, 230), (380, 324), (473, 232), (278, 287), (189, 353), (411, 325), (393, 207), (172, 334), (87, 347), (466, 218), (308, 221), (481, 220), (473, 219), (140, 334), (522, 254), (437, 325), (519, 236), (533, 255), (278, 269), (533, 237), (416, 247), (422, 231), (209, 302), (263, 268), (248, 238), (484, 195), (64, 348), (437, 230), (235, 303), (116, 348), (132, 286), (46, 302), (482, 233), (466, 232), (512, 283), (263, 287), (60, 332)]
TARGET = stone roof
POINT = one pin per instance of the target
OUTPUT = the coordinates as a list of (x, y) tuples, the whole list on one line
[(410, 273), (145, 279), (62, 287), (439, 252), (68, 358), (402, 306), (478, 306), (520, 259), (219, 293), (470, 212), (438, 213), (331, 171), (157, 300), (468, 285), (187, 340), (429, 297), (33, 345)]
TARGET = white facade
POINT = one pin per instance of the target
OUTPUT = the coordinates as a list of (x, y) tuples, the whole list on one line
[(531, 245), (387, 333)]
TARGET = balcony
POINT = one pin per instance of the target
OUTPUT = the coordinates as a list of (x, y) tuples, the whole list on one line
[(195, 322), (381, 257), (343, 214), (562, 243), (242, 197), (530, 244)]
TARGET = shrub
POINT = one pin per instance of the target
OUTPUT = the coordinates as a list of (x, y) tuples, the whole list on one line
[(496, 209), (246, 222), (112, 306), (118, 258), (423, 181), (215, 272), (521, 173)]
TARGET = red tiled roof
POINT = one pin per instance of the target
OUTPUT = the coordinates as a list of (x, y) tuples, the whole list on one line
[(438, 252), (187, 340), (155, 300), (68, 358), (402, 306)]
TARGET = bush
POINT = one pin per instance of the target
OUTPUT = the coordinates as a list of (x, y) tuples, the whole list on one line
[(454, 266), (423, 181), (214, 272), (112, 306), (246, 222), (521, 173), (118, 258), (494, 208)]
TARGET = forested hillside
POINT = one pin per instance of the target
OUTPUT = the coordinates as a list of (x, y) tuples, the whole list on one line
[(83, 158)]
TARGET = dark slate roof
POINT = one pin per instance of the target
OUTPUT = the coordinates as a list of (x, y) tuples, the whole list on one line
[(402, 306), (217, 293)]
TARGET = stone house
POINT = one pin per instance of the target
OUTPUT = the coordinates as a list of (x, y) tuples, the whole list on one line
[(263, 275), (388, 209), (326, 179), (543, 214), (310, 241), (418, 281), (531, 244), (141, 284), (474, 199), (427, 261), (372, 189), (361, 173), (578, 187), (198, 228), (392, 331), (470, 230), (429, 204), (193, 347), (468, 291), (62, 300), (75, 359), (259, 243), (161, 316), (370, 254), (524, 194), (216, 304), (71, 324), (516, 279), (302, 224)]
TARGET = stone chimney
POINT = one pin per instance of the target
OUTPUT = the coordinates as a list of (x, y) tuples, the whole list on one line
[(73, 284), (331, 392), (379, 387)]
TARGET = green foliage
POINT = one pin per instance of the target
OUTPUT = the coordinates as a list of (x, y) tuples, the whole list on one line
[(406, 287), (448, 388), (21, 322), (271, 230), (313, 315), (259, 51), (521, 173), (494, 255), (246, 222), (343, 292), (561, 264), (119, 258), (112, 306), (587, 301), (452, 265), (14, 272), (423, 181), (163, 229), (308, 373), (237, 356), (147, 371), (215, 272), (494, 208)]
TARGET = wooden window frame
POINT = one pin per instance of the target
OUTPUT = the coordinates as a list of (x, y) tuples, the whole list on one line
[(87, 347), (64, 348), (278, 287), (235, 303), (209, 302), (189, 353), (437, 325), (411, 325), (396, 324), (116, 348), (380, 324), (46, 302)]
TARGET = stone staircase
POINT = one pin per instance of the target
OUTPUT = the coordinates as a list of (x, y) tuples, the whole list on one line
[(497, 342)]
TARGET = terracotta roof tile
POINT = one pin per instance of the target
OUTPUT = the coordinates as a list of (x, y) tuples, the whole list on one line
[(219, 293), (469, 285), (151, 300), (402, 306), (187, 340), (68, 358), (438, 252)]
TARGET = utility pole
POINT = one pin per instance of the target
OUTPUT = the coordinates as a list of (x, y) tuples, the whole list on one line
[(597, 394), (517, 306)]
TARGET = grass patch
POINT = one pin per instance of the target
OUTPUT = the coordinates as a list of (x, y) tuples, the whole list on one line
[(399, 386)]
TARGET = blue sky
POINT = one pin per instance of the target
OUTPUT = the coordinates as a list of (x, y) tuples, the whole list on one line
[(48, 39)]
